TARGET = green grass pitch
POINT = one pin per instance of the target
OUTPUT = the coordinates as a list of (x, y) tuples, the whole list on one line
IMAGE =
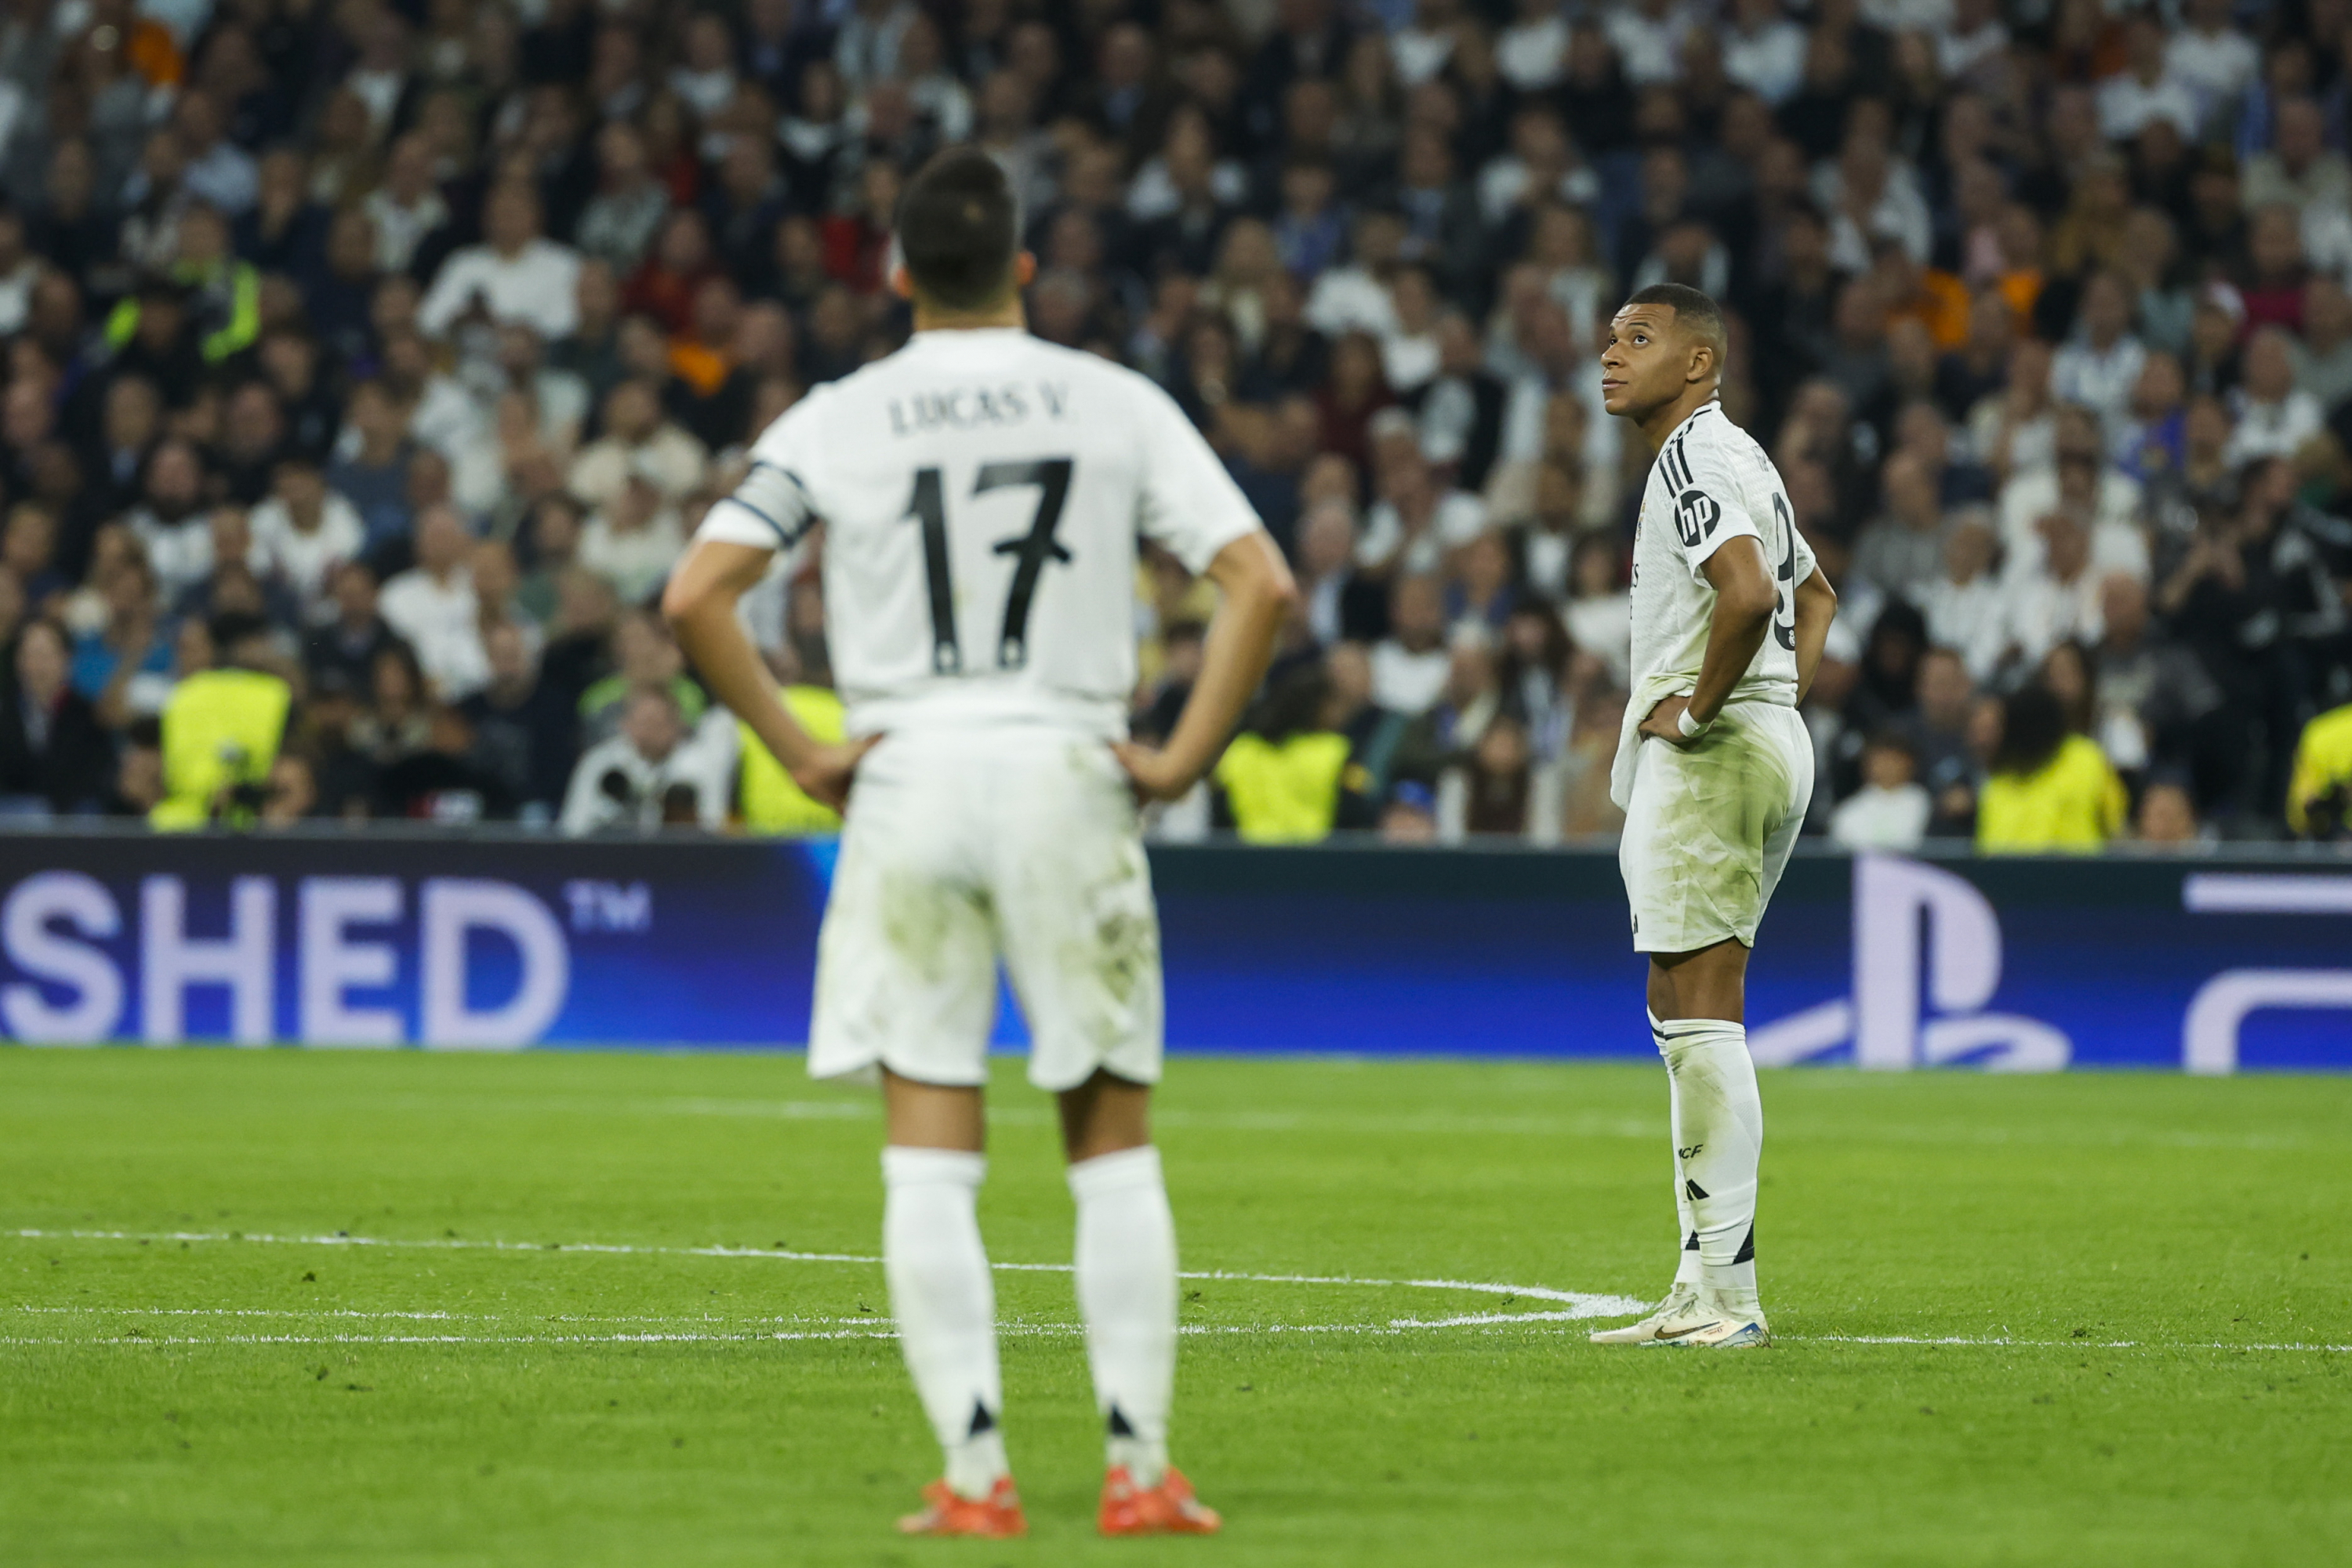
[(2081, 1320)]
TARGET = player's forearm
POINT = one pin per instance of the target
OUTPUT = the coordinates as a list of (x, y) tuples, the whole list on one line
[(699, 605), (731, 668), (1816, 608), (1734, 634), (1257, 593)]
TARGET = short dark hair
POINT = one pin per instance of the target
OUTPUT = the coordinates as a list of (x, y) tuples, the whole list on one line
[(958, 228), (1693, 313)]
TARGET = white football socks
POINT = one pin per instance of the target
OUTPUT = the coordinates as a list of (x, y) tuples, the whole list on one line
[(1685, 1226), (1718, 1126), (945, 1303), (1127, 1293)]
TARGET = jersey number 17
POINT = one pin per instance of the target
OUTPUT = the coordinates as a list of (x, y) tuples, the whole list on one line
[(1031, 551)]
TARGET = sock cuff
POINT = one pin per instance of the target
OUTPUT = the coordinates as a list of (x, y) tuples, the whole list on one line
[(1678, 1030), (1137, 1167), (907, 1167)]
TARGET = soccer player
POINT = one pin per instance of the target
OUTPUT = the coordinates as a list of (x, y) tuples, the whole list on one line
[(1714, 772), (982, 493)]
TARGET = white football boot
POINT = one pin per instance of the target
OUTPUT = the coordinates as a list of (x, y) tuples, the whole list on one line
[(1692, 1318), (1679, 1303)]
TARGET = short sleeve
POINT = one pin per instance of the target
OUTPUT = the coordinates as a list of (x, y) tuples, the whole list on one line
[(1189, 504), (1802, 551), (774, 508), (1707, 511)]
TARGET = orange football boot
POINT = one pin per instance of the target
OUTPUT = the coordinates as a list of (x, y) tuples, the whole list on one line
[(1167, 1508), (994, 1517)]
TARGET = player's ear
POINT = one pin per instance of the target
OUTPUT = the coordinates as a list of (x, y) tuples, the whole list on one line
[(901, 284), (1024, 269)]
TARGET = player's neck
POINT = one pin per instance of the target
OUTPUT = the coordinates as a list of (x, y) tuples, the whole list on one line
[(1668, 418), (933, 318)]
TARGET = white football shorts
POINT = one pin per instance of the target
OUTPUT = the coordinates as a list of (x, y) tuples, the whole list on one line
[(966, 844), (1711, 826)]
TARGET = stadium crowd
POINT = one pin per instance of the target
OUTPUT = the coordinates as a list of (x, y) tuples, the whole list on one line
[(368, 364)]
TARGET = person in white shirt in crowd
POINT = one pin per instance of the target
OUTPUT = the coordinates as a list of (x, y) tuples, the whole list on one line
[(1410, 664), (1649, 39), (2014, 430), (1420, 49), (1902, 551), (2082, 481), (654, 773), (219, 173), (637, 436), (2275, 417), (2054, 599), (407, 206), (1964, 606), (1418, 520), (2213, 56), (2300, 170), (432, 605), (1541, 167), (516, 275), (1327, 578), (2323, 357), (1409, 352), (1355, 297), (561, 396), (1870, 196), (2100, 366), (169, 520), (620, 221), (2148, 89), (1548, 540), (1890, 811), (704, 74), (1764, 51), (1559, 365), (635, 538), (1532, 52), (1599, 610), (303, 531), (1974, 37), (19, 268)]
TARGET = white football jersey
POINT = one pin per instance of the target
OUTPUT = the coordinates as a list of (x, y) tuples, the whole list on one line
[(982, 493), (1711, 483)]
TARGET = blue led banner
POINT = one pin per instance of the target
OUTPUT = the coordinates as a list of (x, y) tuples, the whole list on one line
[(502, 942)]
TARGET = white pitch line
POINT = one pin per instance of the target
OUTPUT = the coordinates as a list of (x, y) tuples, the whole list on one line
[(1581, 1303), (1577, 1305)]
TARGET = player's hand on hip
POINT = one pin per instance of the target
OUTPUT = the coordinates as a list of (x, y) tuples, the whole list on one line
[(1150, 772), (826, 776), (1664, 721)]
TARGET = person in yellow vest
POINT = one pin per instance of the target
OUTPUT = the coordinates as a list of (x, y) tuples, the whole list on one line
[(221, 729), (2050, 790), (2319, 795), (772, 803), (1290, 778)]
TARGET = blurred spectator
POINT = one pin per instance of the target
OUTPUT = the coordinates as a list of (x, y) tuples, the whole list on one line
[(2168, 816), (516, 275), (2049, 789), (52, 749), (647, 775), (433, 607), (2319, 795), (1892, 808), (636, 438), (221, 729), (304, 531), (1285, 779), (1410, 664)]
